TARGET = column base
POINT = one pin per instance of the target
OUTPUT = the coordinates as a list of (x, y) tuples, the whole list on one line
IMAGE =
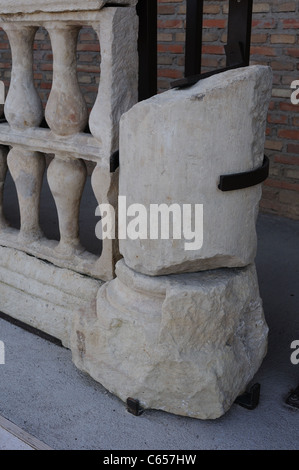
[(187, 344)]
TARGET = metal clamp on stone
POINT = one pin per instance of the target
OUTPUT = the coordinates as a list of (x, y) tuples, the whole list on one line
[(245, 180)]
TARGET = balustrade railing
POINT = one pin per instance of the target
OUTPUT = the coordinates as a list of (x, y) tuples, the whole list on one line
[(24, 144)]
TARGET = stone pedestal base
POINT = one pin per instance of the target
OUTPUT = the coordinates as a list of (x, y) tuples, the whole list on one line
[(187, 344)]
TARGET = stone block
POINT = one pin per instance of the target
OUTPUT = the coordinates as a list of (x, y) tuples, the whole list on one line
[(187, 344), (173, 149)]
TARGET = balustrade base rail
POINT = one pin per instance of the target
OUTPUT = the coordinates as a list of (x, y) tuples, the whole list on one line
[(42, 295), (80, 261)]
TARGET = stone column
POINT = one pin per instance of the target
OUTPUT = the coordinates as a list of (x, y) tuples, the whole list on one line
[(182, 327)]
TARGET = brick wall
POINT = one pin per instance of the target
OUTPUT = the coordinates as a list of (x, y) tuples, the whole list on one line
[(275, 42)]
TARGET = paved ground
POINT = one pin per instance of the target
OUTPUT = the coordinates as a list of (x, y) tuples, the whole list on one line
[(45, 395), (9, 441)]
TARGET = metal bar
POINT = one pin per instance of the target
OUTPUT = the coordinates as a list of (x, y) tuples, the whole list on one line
[(193, 48), (239, 32), (147, 48), (189, 81), (245, 180)]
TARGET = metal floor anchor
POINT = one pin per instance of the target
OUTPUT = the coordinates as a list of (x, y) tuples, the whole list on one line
[(250, 399), (293, 398), (133, 406)]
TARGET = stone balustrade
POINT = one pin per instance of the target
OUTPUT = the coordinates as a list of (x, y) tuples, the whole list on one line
[(67, 117), (182, 330)]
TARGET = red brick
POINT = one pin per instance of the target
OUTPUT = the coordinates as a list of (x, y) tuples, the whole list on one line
[(289, 107), (288, 134), (264, 24), (263, 50), (217, 23), (282, 184), (170, 73), (168, 24), (290, 23), (166, 9), (172, 48), (293, 148), (287, 160), (211, 49), (274, 119)]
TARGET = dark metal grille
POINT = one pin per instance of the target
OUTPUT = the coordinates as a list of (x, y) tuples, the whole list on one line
[(237, 49)]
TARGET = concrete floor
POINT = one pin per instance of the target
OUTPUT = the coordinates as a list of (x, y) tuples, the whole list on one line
[(9, 441), (43, 393)]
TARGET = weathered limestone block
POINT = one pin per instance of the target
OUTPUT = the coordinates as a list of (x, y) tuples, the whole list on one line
[(188, 344), (173, 149), (31, 6)]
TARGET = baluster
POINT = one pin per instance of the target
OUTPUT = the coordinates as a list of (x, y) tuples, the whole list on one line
[(117, 32), (66, 177), (66, 110), (27, 169), (105, 188), (3, 171), (23, 107), (66, 114)]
